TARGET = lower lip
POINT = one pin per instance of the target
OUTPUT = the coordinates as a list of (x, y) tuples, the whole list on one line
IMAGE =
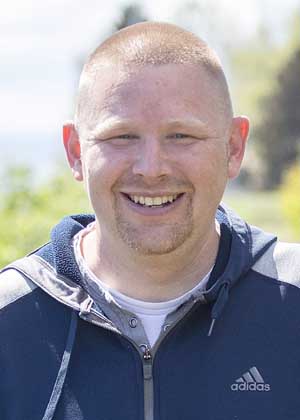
[(152, 211)]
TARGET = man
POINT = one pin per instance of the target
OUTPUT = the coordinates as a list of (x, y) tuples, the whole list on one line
[(164, 305)]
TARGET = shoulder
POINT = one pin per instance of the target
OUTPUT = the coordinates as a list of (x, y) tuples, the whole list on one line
[(281, 262), (13, 286)]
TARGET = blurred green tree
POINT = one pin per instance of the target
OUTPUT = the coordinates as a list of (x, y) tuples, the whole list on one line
[(278, 133), (266, 88), (289, 197), (28, 213)]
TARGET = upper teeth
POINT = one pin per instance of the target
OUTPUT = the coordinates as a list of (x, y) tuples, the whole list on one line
[(153, 201)]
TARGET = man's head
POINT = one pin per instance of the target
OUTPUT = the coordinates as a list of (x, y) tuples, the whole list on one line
[(153, 44), (154, 123)]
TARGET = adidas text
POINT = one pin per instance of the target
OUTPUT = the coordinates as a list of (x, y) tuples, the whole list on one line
[(250, 387), (251, 381)]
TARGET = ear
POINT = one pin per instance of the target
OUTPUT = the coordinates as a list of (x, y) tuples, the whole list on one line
[(73, 150), (237, 145)]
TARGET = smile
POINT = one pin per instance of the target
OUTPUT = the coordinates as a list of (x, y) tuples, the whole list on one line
[(153, 201), (156, 202)]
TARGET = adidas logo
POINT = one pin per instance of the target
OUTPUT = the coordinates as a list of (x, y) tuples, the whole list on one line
[(250, 381)]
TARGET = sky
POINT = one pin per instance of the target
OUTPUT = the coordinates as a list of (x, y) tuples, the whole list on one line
[(43, 45)]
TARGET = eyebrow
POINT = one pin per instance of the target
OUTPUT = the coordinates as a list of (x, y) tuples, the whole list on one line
[(193, 123), (110, 125)]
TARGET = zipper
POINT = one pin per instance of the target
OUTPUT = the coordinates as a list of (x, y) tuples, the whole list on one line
[(148, 384), (95, 318), (147, 356)]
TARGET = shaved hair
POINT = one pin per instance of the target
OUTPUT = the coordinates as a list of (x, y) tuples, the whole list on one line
[(146, 44)]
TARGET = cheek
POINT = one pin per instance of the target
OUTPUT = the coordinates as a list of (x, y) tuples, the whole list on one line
[(101, 171), (208, 157), (208, 171)]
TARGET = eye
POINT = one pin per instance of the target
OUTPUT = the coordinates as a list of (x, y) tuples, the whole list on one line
[(122, 139), (125, 136), (187, 139), (182, 139), (180, 136)]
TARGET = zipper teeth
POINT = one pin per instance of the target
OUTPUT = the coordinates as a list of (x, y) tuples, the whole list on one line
[(148, 360), (147, 356)]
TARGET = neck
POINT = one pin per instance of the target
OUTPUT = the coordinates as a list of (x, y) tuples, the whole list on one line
[(150, 278)]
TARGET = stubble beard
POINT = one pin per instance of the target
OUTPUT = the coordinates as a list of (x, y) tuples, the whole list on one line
[(155, 239)]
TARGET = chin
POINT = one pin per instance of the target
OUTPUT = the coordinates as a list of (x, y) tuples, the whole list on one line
[(163, 241), (152, 249)]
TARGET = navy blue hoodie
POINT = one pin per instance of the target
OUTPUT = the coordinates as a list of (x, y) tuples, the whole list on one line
[(233, 356)]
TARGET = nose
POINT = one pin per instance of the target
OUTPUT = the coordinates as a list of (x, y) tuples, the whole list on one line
[(152, 161)]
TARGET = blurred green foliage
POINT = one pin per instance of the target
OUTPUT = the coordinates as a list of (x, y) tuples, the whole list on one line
[(266, 88), (290, 196), (28, 213), (263, 209), (278, 134), (255, 66)]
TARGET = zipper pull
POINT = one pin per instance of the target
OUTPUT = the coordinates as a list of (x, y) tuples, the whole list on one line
[(147, 363), (147, 354)]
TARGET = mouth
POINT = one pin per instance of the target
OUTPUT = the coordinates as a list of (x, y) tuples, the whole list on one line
[(152, 206), (153, 202)]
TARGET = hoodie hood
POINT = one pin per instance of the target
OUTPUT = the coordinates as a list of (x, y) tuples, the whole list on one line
[(245, 245), (59, 251), (241, 245)]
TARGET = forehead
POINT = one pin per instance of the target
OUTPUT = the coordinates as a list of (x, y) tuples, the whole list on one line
[(154, 92)]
